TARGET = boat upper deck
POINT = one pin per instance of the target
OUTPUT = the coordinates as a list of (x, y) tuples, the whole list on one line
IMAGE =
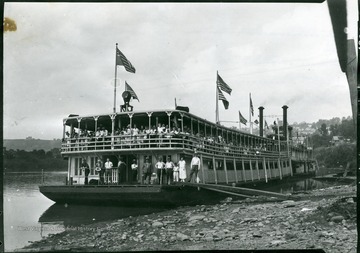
[(162, 130)]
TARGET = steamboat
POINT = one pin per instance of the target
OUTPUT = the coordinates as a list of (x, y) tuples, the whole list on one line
[(228, 157)]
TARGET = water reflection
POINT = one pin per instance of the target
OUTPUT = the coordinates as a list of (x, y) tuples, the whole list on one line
[(74, 215), (290, 185)]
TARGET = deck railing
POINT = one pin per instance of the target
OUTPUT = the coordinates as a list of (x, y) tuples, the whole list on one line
[(146, 142)]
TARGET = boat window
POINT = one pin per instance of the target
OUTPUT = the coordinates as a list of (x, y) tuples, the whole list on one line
[(247, 165), (219, 165), (238, 166), (229, 165), (260, 165)]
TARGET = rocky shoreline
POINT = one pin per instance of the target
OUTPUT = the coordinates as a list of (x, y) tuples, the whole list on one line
[(320, 219)]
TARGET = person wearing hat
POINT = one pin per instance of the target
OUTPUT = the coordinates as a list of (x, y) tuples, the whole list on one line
[(147, 171), (85, 167), (134, 170), (195, 165)]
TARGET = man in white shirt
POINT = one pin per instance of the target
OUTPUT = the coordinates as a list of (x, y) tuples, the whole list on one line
[(169, 166), (195, 165), (134, 171), (108, 166), (160, 170)]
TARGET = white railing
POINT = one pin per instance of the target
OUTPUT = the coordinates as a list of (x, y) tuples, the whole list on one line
[(183, 141)]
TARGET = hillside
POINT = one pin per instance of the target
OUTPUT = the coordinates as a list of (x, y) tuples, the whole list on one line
[(31, 144)]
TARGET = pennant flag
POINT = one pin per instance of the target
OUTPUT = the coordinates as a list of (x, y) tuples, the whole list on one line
[(122, 61), (242, 119), (132, 92), (223, 98), (222, 85), (266, 125), (256, 122), (251, 107)]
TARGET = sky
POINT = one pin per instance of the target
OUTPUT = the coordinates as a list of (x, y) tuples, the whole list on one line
[(61, 61)]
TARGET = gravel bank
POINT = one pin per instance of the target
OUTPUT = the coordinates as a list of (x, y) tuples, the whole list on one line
[(324, 218)]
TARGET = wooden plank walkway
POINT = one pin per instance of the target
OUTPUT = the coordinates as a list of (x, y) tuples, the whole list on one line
[(239, 191)]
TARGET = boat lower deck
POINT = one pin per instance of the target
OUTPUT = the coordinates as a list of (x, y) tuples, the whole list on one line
[(131, 195)]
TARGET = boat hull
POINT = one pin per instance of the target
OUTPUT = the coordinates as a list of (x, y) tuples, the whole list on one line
[(131, 195)]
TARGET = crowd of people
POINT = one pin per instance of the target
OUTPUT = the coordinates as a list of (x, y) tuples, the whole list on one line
[(157, 136), (161, 172)]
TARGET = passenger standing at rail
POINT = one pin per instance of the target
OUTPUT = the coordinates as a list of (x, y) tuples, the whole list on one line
[(169, 170), (182, 169), (195, 165), (108, 167), (99, 169), (121, 170), (147, 170), (134, 171), (176, 173), (85, 167), (160, 170)]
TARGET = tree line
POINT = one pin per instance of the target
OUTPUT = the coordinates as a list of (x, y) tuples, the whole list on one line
[(333, 155), (36, 160), (326, 131)]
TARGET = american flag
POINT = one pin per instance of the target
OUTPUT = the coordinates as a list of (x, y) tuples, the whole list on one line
[(251, 107), (222, 85), (122, 61), (223, 98), (242, 119), (132, 92)]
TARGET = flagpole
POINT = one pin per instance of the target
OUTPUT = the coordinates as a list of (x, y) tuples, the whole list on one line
[(217, 100), (114, 109)]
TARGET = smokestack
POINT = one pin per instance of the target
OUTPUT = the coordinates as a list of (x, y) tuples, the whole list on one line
[(261, 118), (285, 107)]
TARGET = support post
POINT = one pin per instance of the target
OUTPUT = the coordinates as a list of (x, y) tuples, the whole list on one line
[(252, 175), (202, 168), (64, 125), (236, 176), (225, 169), (214, 168), (243, 169), (264, 166), (270, 173), (112, 117), (257, 169), (280, 170)]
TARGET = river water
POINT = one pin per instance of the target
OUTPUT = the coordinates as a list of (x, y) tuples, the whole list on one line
[(29, 216)]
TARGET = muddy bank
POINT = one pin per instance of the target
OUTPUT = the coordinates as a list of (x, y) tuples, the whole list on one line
[(324, 218)]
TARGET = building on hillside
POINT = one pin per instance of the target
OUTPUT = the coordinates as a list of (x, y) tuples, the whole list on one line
[(337, 140)]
